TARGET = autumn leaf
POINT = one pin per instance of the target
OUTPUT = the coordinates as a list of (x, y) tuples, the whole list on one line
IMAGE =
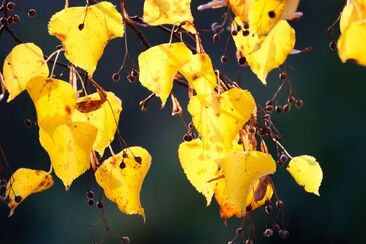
[(263, 57), (241, 171), (121, 178), (24, 62), (240, 8), (307, 173), (85, 31), (173, 12), (200, 73), (218, 118), (158, 76), (25, 182), (199, 168), (105, 119)]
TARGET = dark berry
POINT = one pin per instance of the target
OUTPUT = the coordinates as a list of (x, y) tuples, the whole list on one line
[(333, 45), (267, 117), (224, 59), (246, 25), (28, 123), (279, 204), (131, 78), (32, 12), (234, 32), (10, 20), (100, 204), (190, 125), (90, 201), (89, 194), (122, 165), (269, 102), (138, 159), (3, 21), (268, 209), (286, 107), (246, 33), (269, 108), (17, 199), (251, 130), (116, 77), (248, 241), (58, 47), (283, 76), (291, 100), (16, 19), (283, 234), (283, 158), (81, 26), (280, 164), (125, 240), (242, 60), (215, 27), (187, 137), (268, 233), (216, 37), (10, 5), (134, 72), (299, 103), (271, 14), (239, 231), (276, 228), (278, 108)]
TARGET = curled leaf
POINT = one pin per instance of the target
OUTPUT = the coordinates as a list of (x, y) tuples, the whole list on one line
[(307, 173), (105, 118), (25, 182), (85, 31), (24, 62), (121, 178)]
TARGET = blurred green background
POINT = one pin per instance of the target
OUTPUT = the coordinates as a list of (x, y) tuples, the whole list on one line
[(330, 126)]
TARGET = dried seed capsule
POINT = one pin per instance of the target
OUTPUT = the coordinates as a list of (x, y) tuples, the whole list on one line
[(224, 59), (216, 37), (116, 77), (268, 233), (89, 194), (32, 12)]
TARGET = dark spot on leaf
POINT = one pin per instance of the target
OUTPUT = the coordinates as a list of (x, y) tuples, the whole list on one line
[(271, 14)]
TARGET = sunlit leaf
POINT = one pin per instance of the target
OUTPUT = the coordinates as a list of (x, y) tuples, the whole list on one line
[(199, 72), (218, 118), (105, 119), (52, 98), (25, 182), (24, 62), (121, 177), (271, 53), (199, 168), (69, 145), (85, 31), (174, 12), (159, 65), (241, 171), (240, 8), (307, 173)]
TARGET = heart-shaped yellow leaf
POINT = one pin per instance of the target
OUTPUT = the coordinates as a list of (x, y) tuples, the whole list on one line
[(105, 119), (199, 168), (264, 56), (307, 173), (85, 31), (121, 178), (25, 182), (159, 65), (218, 118), (24, 62)]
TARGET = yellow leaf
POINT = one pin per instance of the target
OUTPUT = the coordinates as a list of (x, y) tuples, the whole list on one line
[(290, 9), (271, 53), (241, 171), (199, 72), (69, 145), (307, 173), (198, 167), (121, 178), (264, 15), (240, 8), (351, 45), (85, 31), (159, 65), (251, 203), (105, 119), (25, 182), (348, 16), (218, 118), (173, 12), (52, 98), (23, 63)]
